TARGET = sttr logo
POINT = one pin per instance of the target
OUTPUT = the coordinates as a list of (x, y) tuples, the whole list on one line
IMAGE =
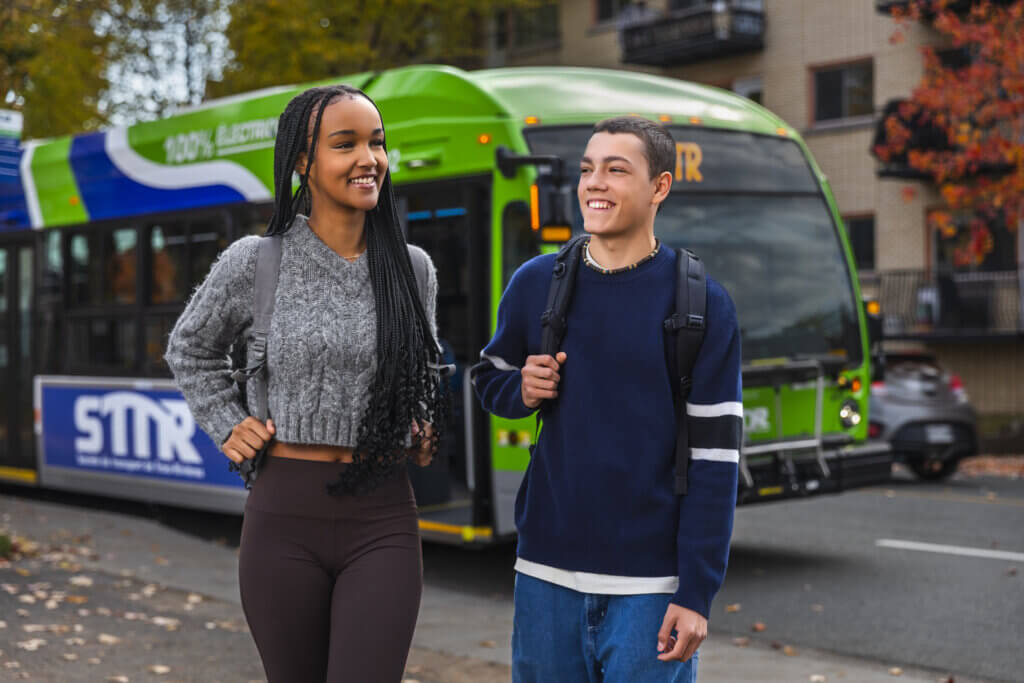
[(168, 419)]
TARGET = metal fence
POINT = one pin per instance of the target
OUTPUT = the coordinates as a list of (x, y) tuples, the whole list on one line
[(918, 303)]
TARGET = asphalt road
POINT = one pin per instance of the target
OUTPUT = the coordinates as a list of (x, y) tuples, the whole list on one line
[(815, 575)]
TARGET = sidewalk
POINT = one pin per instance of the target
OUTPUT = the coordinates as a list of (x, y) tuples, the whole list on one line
[(112, 597)]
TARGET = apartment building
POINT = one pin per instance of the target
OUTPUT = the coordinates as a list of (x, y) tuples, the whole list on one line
[(830, 68)]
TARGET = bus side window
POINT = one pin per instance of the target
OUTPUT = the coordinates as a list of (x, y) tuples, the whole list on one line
[(519, 243)]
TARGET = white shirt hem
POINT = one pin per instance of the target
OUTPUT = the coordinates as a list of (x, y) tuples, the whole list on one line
[(598, 584)]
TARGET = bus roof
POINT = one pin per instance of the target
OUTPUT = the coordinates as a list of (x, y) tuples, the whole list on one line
[(562, 95), (222, 151)]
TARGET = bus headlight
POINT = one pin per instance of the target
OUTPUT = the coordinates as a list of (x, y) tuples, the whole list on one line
[(849, 414)]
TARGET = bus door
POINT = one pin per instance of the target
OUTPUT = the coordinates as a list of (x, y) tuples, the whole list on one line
[(17, 450), (451, 221)]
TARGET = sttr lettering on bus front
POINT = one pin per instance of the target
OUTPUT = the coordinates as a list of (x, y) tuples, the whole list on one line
[(169, 420), (689, 155)]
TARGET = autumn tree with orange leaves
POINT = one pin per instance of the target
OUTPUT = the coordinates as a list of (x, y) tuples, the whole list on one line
[(971, 114)]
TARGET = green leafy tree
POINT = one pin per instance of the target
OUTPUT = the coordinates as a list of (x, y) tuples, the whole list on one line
[(289, 41), (52, 64)]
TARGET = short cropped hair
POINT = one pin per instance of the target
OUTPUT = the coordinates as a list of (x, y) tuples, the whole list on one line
[(659, 147)]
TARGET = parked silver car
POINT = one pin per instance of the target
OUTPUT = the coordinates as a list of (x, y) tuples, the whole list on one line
[(924, 413)]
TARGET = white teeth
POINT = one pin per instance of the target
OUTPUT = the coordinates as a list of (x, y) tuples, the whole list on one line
[(598, 204), (363, 181)]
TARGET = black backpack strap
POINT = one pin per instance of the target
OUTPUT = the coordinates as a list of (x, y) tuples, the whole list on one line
[(687, 325), (563, 280), (268, 268)]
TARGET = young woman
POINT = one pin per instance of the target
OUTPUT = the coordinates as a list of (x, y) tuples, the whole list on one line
[(329, 565)]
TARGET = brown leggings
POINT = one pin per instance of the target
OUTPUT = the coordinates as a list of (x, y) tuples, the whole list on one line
[(330, 585)]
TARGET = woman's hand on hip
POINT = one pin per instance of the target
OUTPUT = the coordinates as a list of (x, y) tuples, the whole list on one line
[(247, 438), (424, 445)]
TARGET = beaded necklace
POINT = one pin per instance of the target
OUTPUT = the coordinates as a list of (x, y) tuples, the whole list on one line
[(589, 261)]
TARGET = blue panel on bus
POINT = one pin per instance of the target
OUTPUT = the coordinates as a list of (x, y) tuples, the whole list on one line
[(108, 193), (129, 433), (13, 209)]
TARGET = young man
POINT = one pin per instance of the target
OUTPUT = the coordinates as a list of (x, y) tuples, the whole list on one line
[(615, 572)]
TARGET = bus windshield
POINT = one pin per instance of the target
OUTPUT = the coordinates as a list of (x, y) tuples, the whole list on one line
[(750, 207)]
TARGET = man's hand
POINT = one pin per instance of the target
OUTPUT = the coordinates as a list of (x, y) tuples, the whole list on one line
[(247, 438), (423, 449), (540, 378), (691, 630)]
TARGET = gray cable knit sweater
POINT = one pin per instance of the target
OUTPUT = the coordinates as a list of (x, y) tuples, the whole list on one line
[(321, 355)]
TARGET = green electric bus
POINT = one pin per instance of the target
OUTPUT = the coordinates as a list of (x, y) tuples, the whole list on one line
[(104, 235)]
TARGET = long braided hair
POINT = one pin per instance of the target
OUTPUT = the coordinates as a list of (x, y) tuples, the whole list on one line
[(407, 388)]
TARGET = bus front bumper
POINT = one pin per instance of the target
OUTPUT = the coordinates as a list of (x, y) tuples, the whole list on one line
[(782, 474)]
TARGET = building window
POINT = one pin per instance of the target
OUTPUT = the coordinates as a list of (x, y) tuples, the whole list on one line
[(751, 88), (844, 92), (861, 231), (608, 10), (527, 28)]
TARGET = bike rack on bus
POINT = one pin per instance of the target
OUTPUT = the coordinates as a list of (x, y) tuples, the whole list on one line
[(776, 375)]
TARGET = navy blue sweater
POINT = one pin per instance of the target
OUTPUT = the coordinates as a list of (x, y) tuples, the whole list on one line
[(598, 493)]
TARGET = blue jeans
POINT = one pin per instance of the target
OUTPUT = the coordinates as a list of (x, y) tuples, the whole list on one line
[(563, 636)]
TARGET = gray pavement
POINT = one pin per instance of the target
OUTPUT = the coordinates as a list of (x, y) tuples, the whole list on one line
[(171, 599)]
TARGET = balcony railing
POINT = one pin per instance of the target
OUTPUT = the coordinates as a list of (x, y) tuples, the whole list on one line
[(921, 305), (707, 31)]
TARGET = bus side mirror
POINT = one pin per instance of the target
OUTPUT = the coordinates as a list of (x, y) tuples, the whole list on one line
[(551, 208), (550, 196), (873, 317)]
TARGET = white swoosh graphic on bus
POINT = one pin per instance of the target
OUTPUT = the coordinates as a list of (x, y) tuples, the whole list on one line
[(151, 174)]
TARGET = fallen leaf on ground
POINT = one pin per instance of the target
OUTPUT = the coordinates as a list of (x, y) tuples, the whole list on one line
[(487, 643), (12, 665), (169, 623), (789, 651), (118, 679), (776, 645), (80, 580), (735, 607), (1012, 571), (817, 608), (70, 656), (108, 639), (77, 599), (817, 678), (758, 626), (27, 599), (31, 645), (741, 642), (194, 598), (22, 613), (895, 671), (160, 669)]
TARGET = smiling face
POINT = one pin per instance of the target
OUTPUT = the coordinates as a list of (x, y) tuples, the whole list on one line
[(350, 161), (616, 192)]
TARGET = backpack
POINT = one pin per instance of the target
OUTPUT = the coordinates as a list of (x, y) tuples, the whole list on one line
[(268, 267), (686, 325)]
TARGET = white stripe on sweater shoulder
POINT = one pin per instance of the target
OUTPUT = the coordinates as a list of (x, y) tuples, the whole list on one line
[(715, 454), (715, 409), (499, 363)]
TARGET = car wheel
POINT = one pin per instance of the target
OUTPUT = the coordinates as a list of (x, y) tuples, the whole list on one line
[(930, 469)]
